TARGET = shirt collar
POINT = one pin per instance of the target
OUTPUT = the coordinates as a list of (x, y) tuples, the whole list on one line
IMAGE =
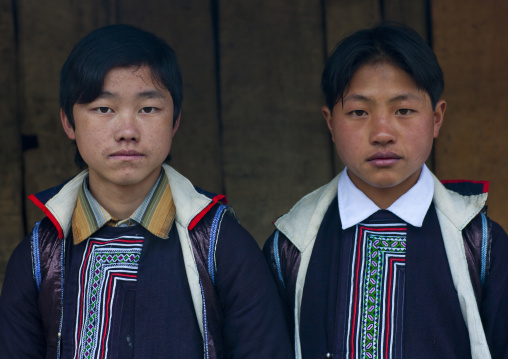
[(156, 213), (411, 207)]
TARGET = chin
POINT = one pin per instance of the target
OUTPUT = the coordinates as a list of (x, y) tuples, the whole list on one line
[(393, 182), (385, 183), (128, 179)]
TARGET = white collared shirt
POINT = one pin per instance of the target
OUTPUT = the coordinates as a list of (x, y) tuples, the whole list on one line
[(411, 207)]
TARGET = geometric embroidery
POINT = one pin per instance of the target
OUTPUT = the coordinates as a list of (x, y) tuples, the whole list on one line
[(377, 282), (105, 262)]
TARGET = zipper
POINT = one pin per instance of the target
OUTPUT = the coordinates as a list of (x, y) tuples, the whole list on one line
[(59, 343)]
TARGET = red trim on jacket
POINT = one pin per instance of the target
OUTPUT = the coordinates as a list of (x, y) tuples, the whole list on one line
[(484, 183), (48, 214), (201, 214)]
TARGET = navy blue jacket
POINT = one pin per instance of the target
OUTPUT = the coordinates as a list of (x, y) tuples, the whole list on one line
[(243, 312)]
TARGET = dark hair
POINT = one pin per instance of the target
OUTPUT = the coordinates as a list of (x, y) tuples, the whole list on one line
[(387, 42), (116, 46)]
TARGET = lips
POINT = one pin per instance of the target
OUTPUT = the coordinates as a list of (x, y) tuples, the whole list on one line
[(126, 154), (384, 159)]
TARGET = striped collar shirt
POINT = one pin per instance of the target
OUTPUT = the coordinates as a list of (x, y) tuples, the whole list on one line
[(156, 213)]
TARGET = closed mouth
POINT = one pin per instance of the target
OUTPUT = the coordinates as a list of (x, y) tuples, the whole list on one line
[(384, 156), (126, 153)]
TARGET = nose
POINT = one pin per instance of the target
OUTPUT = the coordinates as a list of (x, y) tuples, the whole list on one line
[(127, 128), (382, 129)]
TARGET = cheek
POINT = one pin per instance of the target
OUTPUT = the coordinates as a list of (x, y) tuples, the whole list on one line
[(348, 147), (425, 148), (161, 136), (90, 141), (419, 143), (348, 137)]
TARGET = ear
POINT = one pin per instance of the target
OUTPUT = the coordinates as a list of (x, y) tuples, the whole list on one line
[(439, 116), (327, 114), (177, 123), (66, 124)]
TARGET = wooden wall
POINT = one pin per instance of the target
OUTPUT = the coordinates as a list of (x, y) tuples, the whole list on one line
[(471, 43), (251, 122), (11, 190)]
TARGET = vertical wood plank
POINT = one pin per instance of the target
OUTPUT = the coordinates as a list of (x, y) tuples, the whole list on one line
[(276, 145), (411, 13), (48, 31), (470, 43), (11, 219), (187, 27), (343, 17)]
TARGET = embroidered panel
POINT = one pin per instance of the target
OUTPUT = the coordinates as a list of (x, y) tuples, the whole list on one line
[(376, 292), (105, 263)]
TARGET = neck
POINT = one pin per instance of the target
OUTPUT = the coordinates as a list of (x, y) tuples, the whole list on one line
[(121, 200), (384, 197)]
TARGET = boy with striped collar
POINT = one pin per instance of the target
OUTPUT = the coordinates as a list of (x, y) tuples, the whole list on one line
[(131, 260)]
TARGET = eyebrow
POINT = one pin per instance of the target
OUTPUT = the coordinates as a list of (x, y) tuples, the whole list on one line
[(403, 97), (151, 94), (356, 97), (106, 95)]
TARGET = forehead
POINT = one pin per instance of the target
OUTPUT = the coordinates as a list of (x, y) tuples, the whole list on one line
[(134, 77), (383, 81)]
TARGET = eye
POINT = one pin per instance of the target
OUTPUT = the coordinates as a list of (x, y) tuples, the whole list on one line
[(404, 111), (148, 110), (103, 109), (358, 113)]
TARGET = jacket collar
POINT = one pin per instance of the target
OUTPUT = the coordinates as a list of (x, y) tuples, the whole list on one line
[(190, 204), (302, 222), (459, 209), (296, 225), (58, 203)]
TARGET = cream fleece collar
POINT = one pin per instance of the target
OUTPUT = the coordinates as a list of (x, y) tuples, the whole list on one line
[(302, 222), (187, 200)]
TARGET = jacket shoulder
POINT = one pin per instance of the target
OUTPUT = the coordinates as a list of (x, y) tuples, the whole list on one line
[(459, 201), (58, 202), (44, 245), (283, 257), (466, 187), (301, 224)]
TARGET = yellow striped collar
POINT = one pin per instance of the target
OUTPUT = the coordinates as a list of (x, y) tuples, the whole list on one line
[(156, 213)]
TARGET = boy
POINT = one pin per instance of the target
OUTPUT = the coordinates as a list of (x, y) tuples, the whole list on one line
[(132, 261), (384, 261)]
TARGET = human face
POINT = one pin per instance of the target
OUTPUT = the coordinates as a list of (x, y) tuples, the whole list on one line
[(125, 134), (383, 130)]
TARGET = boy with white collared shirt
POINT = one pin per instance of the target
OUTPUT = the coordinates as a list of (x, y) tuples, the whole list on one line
[(384, 261)]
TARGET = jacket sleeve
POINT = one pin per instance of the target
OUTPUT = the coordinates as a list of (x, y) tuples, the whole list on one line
[(283, 261), (494, 308), (254, 325), (270, 253), (21, 333)]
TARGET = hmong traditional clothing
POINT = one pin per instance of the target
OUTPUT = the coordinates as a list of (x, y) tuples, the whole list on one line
[(390, 287), (179, 279)]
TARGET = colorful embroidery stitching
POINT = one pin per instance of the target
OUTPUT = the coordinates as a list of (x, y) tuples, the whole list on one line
[(378, 259), (105, 262)]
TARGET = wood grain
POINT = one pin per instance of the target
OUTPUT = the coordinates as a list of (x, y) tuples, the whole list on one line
[(11, 200), (470, 43), (276, 145)]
